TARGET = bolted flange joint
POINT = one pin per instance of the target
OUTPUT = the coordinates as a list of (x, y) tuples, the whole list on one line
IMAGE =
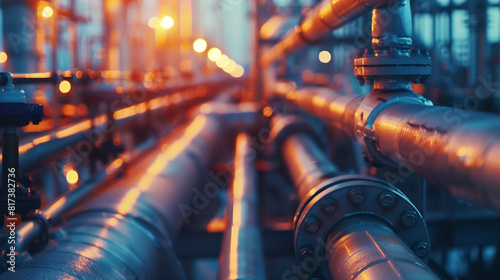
[(399, 65), (332, 201)]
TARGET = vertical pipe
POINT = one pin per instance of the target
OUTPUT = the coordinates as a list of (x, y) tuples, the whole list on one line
[(10, 154), (241, 253), (254, 86)]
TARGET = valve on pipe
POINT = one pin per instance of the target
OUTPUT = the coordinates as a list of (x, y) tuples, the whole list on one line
[(349, 226), (16, 195)]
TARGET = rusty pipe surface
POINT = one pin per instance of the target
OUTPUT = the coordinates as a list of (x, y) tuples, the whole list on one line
[(321, 20), (145, 205), (456, 149), (364, 247), (241, 254)]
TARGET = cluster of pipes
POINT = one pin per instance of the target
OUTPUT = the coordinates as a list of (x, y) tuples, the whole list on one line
[(346, 226)]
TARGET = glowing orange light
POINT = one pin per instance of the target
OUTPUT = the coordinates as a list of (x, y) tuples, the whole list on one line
[(230, 67), (154, 22), (3, 57), (268, 111), (214, 54), (167, 22), (116, 141), (216, 225), (65, 86), (25, 147), (79, 74), (60, 202), (238, 71), (199, 45), (42, 139), (47, 12), (117, 163), (69, 110), (72, 176), (325, 56), (223, 61), (127, 203), (74, 129)]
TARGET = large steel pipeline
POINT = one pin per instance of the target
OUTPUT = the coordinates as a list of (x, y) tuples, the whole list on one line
[(456, 149), (324, 18), (145, 205), (361, 244), (34, 151), (364, 247), (307, 164), (241, 255), (49, 215)]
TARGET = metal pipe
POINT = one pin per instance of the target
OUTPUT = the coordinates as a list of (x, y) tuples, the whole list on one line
[(10, 153), (453, 148), (241, 254), (42, 148), (360, 244), (31, 230), (364, 247), (147, 206), (321, 20), (333, 108), (307, 164)]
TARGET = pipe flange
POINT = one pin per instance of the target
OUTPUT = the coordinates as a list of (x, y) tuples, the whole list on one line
[(284, 126), (366, 113), (345, 196), (393, 62)]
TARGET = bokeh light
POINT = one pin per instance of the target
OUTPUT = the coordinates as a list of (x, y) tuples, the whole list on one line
[(325, 56), (214, 54), (223, 61), (47, 12), (154, 22), (199, 45), (167, 22), (238, 71), (65, 86), (72, 176), (3, 57)]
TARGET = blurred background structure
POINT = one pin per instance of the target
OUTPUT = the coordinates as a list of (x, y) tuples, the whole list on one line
[(266, 139)]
